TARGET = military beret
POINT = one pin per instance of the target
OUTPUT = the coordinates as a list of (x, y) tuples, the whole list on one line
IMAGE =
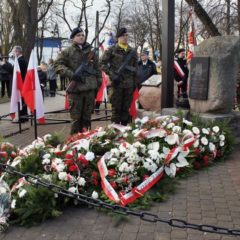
[(75, 31), (121, 32), (145, 52), (180, 50)]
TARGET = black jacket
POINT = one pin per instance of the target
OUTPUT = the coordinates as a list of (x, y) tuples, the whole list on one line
[(145, 71), (23, 66), (6, 72)]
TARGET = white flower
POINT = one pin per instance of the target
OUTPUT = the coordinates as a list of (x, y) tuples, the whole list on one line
[(115, 152), (113, 161), (62, 175), (137, 144), (94, 195), (58, 160), (125, 135), (216, 129), (204, 141), (47, 155), (196, 130), (172, 139), (196, 143), (176, 129), (46, 137), (123, 167), (188, 123), (60, 167), (13, 203), (222, 143), (171, 170), (47, 177), (138, 121), (153, 167), (154, 146), (3, 190), (81, 181), (205, 131), (46, 161), (21, 193), (128, 128), (212, 147), (89, 156), (146, 165), (154, 154), (82, 143), (222, 137), (144, 120), (72, 189), (187, 132), (170, 125)]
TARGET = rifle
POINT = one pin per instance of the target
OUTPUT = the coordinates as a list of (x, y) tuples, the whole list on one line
[(82, 71), (117, 76)]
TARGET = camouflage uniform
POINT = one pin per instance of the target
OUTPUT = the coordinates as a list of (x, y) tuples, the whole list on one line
[(121, 94), (82, 96)]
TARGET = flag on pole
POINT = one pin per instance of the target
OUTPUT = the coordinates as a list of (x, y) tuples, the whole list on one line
[(133, 108), (17, 85), (100, 95), (31, 90), (191, 37)]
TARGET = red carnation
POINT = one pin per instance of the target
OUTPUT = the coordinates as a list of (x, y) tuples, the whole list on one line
[(69, 156), (58, 154), (114, 185), (13, 154), (3, 154), (94, 174), (95, 182), (206, 160), (83, 160), (197, 151), (69, 162), (73, 168), (112, 172)]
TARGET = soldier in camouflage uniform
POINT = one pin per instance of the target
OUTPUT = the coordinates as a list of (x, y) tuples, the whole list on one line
[(122, 91), (81, 91)]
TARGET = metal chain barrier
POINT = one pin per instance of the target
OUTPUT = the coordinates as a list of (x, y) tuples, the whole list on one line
[(145, 216)]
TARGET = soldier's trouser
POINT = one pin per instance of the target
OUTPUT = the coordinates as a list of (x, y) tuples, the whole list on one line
[(81, 107), (121, 100)]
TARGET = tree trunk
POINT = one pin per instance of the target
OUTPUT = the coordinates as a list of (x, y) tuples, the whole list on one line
[(204, 17), (238, 17)]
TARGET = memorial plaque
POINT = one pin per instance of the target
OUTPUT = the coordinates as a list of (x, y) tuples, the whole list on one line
[(199, 78)]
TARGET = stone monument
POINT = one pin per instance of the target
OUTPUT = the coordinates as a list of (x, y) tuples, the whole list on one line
[(216, 94)]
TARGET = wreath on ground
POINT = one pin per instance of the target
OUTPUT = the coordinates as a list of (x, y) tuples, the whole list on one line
[(129, 165)]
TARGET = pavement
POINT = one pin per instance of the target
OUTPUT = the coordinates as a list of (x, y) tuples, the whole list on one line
[(211, 196)]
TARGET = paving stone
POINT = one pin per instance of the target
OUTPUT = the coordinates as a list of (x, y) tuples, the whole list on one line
[(162, 236), (178, 234), (128, 236), (144, 236)]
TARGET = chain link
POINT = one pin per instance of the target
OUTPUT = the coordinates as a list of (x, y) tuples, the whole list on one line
[(145, 216)]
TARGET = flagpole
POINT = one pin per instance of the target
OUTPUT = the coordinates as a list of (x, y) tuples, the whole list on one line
[(19, 118), (35, 123)]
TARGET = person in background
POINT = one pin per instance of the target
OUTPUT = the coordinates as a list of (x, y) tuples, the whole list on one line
[(145, 68), (42, 78), (6, 74), (181, 79), (52, 78), (82, 88), (123, 84), (17, 52)]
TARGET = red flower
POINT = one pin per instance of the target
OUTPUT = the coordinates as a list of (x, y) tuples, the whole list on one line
[(112, 172), (13, 154), (69, 162), (58, 154), (196, 165), (145, 177), (197, 151), (68, 156), (125, 180), (83, 160), (3, 154), (73, 168), (95, 181), (206, 160), (94, 174), (114, 185)]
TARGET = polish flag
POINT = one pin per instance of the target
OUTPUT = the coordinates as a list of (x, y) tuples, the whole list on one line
[(31, 90), (133, 108), (101, 95), (191, 37), (17, 85)]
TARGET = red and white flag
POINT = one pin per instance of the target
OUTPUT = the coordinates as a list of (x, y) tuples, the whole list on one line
[(133, 107), (17, 85), (191, 37), (102, 92), (31, 91)]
